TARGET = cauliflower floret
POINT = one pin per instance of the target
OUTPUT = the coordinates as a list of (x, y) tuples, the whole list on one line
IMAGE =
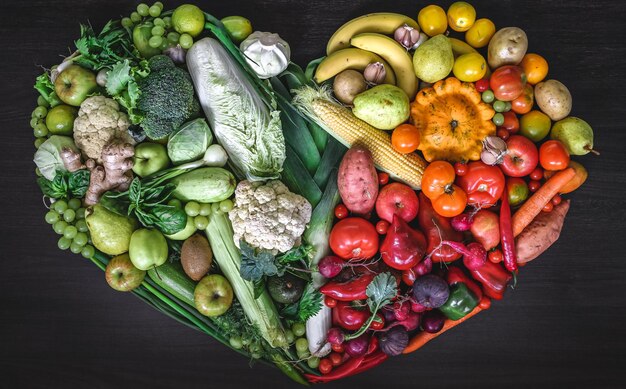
[(99, 122), (268, 216)]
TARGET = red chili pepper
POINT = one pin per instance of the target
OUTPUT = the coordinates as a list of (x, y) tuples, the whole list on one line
[(348, 317), (350, 290), (373, 346), (494, 279), (351, 367), (506, 235), (455, 275)]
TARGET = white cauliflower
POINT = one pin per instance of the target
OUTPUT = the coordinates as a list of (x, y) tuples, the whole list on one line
[(99, 122), (268, 216)]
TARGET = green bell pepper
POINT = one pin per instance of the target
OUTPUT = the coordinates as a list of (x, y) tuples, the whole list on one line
[(461, 302)]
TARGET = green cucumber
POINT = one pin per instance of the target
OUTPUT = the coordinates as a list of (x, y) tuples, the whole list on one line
[(171, 277)]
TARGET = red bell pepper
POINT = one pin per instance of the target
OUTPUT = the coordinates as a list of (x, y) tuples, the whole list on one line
[(494, 279), (349, 317), (353, 289), (456, 275), (482, 183), (436, 228)]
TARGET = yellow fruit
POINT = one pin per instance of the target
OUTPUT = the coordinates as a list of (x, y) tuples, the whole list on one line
[(432, 19), (470, 67), (461, 16), (350, 58), (189, 19), (480, 33)]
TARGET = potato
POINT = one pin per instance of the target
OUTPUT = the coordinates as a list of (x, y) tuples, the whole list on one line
[(554, 99), (541, 233), (507, 47), (358, 181), (347, 85)]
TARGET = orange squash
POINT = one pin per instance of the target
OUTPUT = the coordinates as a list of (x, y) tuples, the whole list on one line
[(453, 121)]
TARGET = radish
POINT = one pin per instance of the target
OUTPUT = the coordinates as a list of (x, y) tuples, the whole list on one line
[(330, 266), (462, 222), (474, 254), (335, 336)]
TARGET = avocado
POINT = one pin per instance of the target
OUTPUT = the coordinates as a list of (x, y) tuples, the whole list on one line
[(286, 289)]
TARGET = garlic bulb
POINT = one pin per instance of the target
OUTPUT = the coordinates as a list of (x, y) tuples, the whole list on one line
[(266, 53), (407, 36), (494, 149), (375, 73)]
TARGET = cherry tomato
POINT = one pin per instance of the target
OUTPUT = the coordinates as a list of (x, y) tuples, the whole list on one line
[(482, 85), (483, 184), (507, 82), (511, 123), (405, 138), (335, 359), (480, 33), (495, 256), (535, 67), (470, 67), (553, 155), (341, 212), (461, 16), (524, 102), (534, 185), (326, 366), (556, 200), (432, 20), (378, 323), (448, 200), (383, 178), (354, 237), (460, 168), (382, 226), (338, 348), (548, 207), (517, 190), (535, 125), (330, 302), (503, 134), (536, 174), (409, 276)]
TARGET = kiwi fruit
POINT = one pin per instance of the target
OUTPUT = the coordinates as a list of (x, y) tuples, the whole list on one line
[(196, 257)]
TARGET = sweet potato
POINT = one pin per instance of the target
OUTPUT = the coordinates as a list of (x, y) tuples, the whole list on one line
[(358, 181), (541, 233)]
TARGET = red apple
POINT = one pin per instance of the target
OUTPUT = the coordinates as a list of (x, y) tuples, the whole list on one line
[(521, 157), (122, 275), (486, 229), (397, 199)]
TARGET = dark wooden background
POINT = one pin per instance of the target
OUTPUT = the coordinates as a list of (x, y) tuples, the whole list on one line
[(563, 326)]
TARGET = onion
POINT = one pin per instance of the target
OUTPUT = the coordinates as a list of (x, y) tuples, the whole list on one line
[(433, 321), (358, 346)]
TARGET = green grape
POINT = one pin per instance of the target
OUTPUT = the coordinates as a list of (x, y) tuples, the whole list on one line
[(70, 232), (60, 206), (235, 342), (158, 31), (289, 336), (175, 203), (69, 215), (64, 243), (201, 222), (205, 209), (168, 21), (40, 130), (173, 37), (37, 172), (313, 362), (158, 22), (127, 23), (143, 9), (302, 345), (185, 41), (51, 217), (40, 112), (74, 204), (498, 119), (88, 251), (80, 213), (499, 106), (154, 11), (135, 17), (155, 41), (164, 45), (298, 329), (255, 348), (39, 142), (508, 106), (215, 208), (81, 225), (158, 4), (256, 355), (76, 248), (59, 226), (43, 102), (488, 96), (192, 208), (81, 239), (226, 205), (35, 121)]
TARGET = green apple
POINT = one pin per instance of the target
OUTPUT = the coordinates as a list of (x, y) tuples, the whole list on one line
[(122, 275), (74, 84), (60, 119), (213, 295), (149, 158), (147, 249)]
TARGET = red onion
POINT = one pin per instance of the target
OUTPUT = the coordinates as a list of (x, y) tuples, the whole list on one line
[(433, 321)]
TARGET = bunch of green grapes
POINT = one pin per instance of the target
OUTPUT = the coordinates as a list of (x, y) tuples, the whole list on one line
[(68, 220), (297, 335), (38, 121), (163, 34), (200, 211)]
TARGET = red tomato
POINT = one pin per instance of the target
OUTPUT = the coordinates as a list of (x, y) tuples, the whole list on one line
[(460, 169), (405, 138), (536, 174), (548, 207), (341, 212), (330, 302), (383, 178), (382, 226), (507, 82), (517, 190), (495, 256), (326, 366), (354, 238), (448, 200), (338, 348), (511, 122), (409, 276), (482, 85), (553, 155), (335, 359), (524, 102), (556, 200), (534, 185), (483, 184), (378, 323), (503, 134)]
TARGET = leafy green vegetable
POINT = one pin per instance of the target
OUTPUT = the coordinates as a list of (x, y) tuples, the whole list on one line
[(308, 306), (122, 86), (45, 87), (380, 292), (189, 142), (48, 155), (118, 78), (255, 266), (65, 184), (112, 45)]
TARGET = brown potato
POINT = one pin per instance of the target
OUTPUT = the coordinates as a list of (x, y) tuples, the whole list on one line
[(347, 85), (507, 47), (554, 99)]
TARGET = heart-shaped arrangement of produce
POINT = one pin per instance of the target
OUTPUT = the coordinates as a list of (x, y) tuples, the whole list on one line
[(323, 219)]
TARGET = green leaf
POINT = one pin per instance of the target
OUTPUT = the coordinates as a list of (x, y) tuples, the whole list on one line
[(78, 183), (65, 184), (254, 266), (310, 303), (259, 288), (57, 188), (381, 291), (169, 219), (300, 253), (118, 78)]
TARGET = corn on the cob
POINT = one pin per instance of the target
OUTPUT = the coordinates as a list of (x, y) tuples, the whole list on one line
[(350, 130)]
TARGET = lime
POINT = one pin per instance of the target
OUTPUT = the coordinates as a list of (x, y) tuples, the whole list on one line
[(60, 119), (238, 27), (189, 19)]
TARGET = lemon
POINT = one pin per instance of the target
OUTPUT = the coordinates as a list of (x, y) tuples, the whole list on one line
[(189, 19)]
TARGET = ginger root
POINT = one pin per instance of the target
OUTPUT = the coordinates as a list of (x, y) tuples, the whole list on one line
[(114, 174)]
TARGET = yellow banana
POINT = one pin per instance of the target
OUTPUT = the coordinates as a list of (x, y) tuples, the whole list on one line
[(459, 47), (350, 58), (392, 52), (380, 22)]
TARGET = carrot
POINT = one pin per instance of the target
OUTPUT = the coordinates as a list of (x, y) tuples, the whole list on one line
[(424, 337), (533, 206)]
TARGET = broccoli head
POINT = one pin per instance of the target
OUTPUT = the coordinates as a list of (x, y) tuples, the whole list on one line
[(167, 98)]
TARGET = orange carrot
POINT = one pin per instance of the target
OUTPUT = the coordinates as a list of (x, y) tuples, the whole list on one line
[(531, 208), (424, 337)]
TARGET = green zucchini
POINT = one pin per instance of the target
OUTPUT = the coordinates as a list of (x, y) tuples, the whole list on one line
[(171, 277)]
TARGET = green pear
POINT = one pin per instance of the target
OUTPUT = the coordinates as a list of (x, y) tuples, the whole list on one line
[(433, 59), (575, 134), (383, 106), (110, 232)]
